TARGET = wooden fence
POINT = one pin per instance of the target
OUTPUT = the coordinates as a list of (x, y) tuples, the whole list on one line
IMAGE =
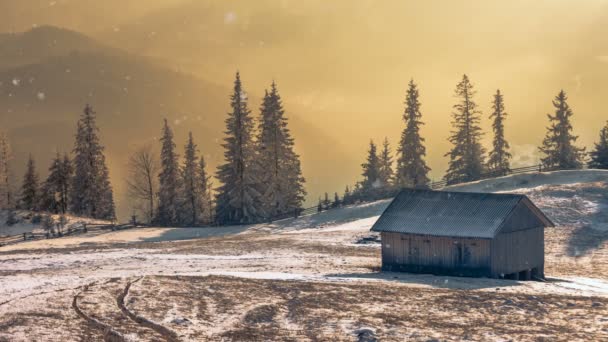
[(69, 231)]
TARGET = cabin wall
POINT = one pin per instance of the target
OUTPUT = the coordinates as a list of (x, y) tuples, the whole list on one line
[(519, 251), (438, 255), (521, 218)]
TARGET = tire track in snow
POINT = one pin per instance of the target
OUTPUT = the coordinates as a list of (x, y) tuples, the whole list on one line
[(167, 333)]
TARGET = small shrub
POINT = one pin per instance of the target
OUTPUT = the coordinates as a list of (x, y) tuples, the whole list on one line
[(11, 219), (36, 219)]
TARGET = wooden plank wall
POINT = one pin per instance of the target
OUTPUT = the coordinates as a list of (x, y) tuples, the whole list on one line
[(435, 252), (518, 251)]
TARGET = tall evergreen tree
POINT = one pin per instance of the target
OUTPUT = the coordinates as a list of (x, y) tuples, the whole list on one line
[(558, 145), (29, 188), (467, 155), (55, 190), (91, 192), (205, 188), (386, 165), (5, 184), (191, 184), (347, 197), (499, 157), (412, 170), (371, 169), (238, 197), (169, 183), (599, 156), (282, 186)]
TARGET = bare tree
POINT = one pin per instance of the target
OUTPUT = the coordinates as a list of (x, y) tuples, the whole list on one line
[(142, 183)]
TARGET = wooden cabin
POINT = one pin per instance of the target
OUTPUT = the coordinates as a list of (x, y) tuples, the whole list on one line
[(463, 234)]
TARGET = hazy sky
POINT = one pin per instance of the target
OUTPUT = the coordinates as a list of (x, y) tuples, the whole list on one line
[(344, 65)]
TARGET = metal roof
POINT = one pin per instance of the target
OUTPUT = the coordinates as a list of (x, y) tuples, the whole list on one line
[(454, 214)]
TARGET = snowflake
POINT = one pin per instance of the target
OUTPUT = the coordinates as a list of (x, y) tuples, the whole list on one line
[(41, 96), (16, 82), (230, 17)]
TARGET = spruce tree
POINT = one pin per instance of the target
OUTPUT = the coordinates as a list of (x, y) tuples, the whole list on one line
[(326, 202), (91, 192), (282, 185), (191, 185), (168, 180), (467, 156), (347, 197), (412, 171), (558, 145), (55, 189), (499, 158), (371, 169), (29, 189), (205, 188), (336, 203), (386, 165), (599, 156), (5, 184), (238, 198)]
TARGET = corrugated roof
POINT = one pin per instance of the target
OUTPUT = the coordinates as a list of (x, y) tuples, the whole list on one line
[(441, 213)]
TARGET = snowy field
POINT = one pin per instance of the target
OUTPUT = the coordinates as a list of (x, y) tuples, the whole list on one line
[(312, 278)]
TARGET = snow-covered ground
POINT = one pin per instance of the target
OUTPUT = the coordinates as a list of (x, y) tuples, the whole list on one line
[(25, 225), (232, 282)]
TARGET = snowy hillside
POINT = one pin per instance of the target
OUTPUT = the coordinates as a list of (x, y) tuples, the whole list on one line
[(29, 222), (312, 278)]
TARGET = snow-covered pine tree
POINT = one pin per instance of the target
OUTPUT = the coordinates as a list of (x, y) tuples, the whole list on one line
[(347, 197), (91, 191), (499, 158), (5, 177), (55, 189), (189, 210), (169, 182), (371, 169), (386, 165), (282, 185), (205, 188), (29, 189), (467, 156), (238, 197), (558, 145), (326, 202), (336, 203), (412, 171), (599, 156)]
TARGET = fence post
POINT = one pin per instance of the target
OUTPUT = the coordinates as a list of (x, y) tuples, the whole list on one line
[(540, 167), (24, 236), (84, 227)]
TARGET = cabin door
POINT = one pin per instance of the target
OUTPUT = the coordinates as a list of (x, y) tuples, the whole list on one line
[(463, 255)]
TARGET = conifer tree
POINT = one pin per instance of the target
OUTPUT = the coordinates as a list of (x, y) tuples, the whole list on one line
[(5, 184), (282, 185), (238, 198), (467, 156), (205, 188), (386, 165), (499, 158), (412, 171), (55, 190), (191, 184), (336, 203), (347, 197), (326, 202), (91, 192), (320, 205), (558, 145), (371, 169), (599, 156), (29, 189), (168, 180)]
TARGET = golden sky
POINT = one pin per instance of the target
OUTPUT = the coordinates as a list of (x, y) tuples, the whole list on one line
[(343, 65)]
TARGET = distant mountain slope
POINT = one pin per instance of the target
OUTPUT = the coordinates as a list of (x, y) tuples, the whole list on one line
[(42, 42), (40, 103)]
